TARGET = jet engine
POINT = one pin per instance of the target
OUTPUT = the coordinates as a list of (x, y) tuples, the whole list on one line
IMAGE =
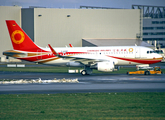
[(105, 66)]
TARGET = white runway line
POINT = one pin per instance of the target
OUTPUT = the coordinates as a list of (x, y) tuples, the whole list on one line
[(40, 81)]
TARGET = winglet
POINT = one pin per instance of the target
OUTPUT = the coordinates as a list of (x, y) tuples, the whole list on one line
[(53, 51), (70, 45)]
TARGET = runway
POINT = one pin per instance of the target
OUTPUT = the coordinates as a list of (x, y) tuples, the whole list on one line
[(91, 83)]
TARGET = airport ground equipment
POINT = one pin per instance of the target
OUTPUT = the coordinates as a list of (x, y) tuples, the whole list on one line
[(155, 70)]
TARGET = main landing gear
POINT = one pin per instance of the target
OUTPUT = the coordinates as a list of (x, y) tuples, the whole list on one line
[(87, 71)]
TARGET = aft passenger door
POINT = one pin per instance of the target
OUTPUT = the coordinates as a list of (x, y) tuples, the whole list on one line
[(39, 54)]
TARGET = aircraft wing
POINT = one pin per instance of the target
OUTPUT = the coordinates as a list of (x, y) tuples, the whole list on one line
[(83, 60)]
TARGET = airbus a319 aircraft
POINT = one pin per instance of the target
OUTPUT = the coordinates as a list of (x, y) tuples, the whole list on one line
[(100, 58)]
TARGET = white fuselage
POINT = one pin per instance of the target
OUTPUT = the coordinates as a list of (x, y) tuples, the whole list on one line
[(120, 55)]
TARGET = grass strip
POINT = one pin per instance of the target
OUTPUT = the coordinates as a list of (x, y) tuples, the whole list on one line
[(83, 106)]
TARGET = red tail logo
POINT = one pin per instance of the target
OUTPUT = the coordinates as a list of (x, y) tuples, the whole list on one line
[(20, 40)]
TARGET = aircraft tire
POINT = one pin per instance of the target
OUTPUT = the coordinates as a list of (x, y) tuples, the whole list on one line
[(147, 73), (84, 72)]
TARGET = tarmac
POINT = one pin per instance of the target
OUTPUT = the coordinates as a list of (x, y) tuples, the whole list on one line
[(102, 82)]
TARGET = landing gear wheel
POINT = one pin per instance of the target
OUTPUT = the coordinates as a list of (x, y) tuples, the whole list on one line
[(147, 73), (84, 72)]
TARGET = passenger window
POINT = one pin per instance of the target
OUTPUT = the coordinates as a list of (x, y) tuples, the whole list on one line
[(147, 52)]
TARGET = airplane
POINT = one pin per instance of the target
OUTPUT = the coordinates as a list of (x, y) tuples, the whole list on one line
[(101, 58)]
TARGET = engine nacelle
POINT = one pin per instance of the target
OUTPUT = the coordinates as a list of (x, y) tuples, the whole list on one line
[(105, 66)]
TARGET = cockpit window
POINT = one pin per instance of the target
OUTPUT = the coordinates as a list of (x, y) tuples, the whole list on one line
[(150, 52), (159, 51)]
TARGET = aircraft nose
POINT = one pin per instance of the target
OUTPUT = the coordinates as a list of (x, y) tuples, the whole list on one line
[(160, 57)]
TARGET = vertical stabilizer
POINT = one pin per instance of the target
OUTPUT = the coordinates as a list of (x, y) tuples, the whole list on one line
[(20, 40)]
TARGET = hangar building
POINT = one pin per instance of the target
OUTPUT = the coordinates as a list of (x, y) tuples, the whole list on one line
[(59, 27), (7, 13), (153, 24)]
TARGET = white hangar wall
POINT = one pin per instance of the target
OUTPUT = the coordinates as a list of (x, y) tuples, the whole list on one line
[(7, 13), (59, 27)]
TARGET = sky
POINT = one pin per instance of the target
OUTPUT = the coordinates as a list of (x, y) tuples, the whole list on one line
[(77, 3)]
